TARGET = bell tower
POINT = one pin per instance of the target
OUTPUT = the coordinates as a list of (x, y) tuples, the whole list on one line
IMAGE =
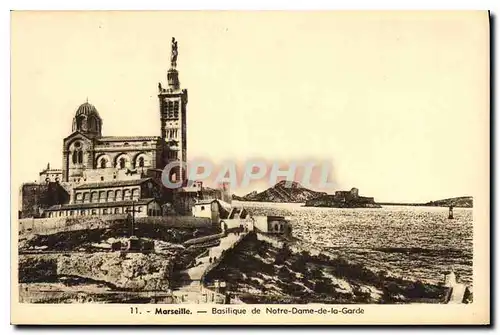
[(173, 102)]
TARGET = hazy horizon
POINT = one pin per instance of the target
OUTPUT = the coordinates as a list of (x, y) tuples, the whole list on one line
[(397, 102)]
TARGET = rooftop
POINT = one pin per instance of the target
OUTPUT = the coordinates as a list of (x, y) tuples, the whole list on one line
[(128, 138), (115, 183), (51, 171), (206, 202)]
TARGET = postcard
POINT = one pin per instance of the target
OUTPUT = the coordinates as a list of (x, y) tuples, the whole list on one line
[(220, 167)]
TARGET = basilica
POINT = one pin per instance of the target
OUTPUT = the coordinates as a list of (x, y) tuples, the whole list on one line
[(111, 174)]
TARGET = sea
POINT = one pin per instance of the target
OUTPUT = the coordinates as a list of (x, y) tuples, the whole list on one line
[(415, 243)]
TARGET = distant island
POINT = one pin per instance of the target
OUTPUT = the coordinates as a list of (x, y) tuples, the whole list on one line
[(282, 193), (343, 199), (464, 202), (296, 193)]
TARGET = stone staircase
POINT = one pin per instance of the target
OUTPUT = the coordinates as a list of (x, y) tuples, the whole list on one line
[(188, 287)]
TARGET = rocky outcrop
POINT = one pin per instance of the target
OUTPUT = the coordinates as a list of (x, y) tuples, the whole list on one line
[(133, 271), (259, 272), (282, 192), (464, 202), (36, 268)]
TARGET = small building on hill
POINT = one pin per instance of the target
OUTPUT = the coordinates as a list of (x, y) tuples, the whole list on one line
[(214, 209), (272, 224)]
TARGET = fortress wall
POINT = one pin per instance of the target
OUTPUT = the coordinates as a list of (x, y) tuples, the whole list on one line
[(58, 224), (175, 221), (53, 225)]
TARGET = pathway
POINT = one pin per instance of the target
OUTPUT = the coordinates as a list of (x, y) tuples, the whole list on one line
[(192, 291)]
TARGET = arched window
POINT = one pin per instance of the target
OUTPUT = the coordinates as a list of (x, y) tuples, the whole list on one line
[(94, 197), (141, 162), (122, 163), (80, 157), (135, 194), (176, 109), (103, 163), (86, 197), (74, 157), (92, 124), (126, 194), (118, 195), (79, 122), (170, 109), (110, 195)]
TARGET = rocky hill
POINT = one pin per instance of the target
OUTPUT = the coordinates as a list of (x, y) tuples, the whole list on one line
[(455, 202), (281, 192), (464, 202)]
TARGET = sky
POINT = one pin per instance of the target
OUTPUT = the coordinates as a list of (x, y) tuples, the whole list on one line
[(396, 102)]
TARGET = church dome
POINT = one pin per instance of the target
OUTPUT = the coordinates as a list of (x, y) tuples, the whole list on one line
[(86, 109), (87, 120)]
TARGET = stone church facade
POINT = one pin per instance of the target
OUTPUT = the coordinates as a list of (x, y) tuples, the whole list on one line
[(110, 174)]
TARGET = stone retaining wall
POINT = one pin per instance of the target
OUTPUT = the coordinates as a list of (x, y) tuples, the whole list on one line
[(44, 226), (175, 221)]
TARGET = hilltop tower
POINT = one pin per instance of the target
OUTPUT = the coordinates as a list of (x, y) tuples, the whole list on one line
[(173, 102)]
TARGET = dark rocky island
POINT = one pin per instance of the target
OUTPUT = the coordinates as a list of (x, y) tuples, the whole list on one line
[(463, 202), (281, 192), (343, 199)]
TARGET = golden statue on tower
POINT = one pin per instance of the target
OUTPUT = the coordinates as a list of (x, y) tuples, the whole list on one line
[(173, 56)]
